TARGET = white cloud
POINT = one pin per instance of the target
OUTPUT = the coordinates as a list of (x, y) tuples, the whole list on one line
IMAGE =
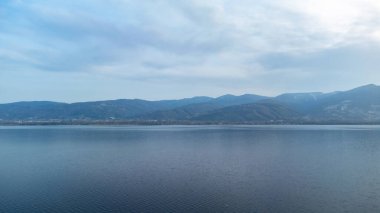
[(192, 40)]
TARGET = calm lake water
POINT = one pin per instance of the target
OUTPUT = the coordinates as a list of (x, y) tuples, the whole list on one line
[(190, 169)]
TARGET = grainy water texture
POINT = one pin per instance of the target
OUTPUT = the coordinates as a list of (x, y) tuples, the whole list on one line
[(190, 169)]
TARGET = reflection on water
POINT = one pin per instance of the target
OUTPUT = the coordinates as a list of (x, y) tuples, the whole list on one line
[(190, 169)]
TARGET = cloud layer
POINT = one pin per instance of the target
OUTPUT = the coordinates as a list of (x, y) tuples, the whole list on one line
[(156, 49)]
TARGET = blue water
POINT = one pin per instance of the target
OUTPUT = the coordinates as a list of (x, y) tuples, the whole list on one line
[(190, 169)]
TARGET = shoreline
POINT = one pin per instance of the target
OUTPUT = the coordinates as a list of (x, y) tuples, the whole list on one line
[(173, 123)]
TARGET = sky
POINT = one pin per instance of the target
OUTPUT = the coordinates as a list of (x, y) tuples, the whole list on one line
[(83, 50)]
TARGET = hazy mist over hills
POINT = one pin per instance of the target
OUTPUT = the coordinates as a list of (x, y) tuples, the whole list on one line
[(359, 105)]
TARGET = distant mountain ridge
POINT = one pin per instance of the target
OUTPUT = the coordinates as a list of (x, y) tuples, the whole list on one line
[(358, 105)]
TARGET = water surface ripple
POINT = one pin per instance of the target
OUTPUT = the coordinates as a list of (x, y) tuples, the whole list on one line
[(190, 169)]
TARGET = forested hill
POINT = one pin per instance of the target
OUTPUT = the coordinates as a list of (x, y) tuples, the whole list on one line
[(359, 105)]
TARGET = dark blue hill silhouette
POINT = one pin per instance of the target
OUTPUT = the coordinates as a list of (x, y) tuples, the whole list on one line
[(361, 104)]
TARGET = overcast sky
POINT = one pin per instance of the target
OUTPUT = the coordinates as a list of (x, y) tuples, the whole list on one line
[(79, 50)]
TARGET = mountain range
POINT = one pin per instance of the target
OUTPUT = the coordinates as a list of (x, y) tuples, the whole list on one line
[(359, 105)]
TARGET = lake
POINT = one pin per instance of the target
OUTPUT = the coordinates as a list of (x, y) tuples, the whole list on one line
[(190, 169)]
